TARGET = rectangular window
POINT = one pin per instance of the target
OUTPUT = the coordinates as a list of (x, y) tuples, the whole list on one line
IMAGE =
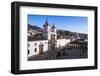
[(28, 52), (35, 44), (35, 49), (28, 45)]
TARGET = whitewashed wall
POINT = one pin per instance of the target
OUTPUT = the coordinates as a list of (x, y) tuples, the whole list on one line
[(32, 47), (62, 42)]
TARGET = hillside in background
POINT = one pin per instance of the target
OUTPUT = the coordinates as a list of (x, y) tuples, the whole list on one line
[(60, 33)]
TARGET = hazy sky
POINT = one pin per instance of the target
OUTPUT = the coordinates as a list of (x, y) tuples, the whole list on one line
[(71, 23)]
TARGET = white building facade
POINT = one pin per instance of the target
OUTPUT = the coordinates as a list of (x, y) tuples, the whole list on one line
[(51, 42)]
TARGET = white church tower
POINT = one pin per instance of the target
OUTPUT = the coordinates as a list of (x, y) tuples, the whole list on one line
[(50, 33), (45, 29)]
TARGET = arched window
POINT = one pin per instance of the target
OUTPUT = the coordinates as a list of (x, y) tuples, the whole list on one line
[(28, 45), (35, 50), (35, 44), (28, 52)]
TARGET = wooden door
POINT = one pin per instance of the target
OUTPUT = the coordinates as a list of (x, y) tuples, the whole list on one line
[(40, 49)]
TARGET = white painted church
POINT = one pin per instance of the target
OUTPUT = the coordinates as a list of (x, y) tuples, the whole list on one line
[(37, 47)]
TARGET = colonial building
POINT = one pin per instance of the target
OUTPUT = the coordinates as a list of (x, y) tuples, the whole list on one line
[(47, 41), (79, 43)]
